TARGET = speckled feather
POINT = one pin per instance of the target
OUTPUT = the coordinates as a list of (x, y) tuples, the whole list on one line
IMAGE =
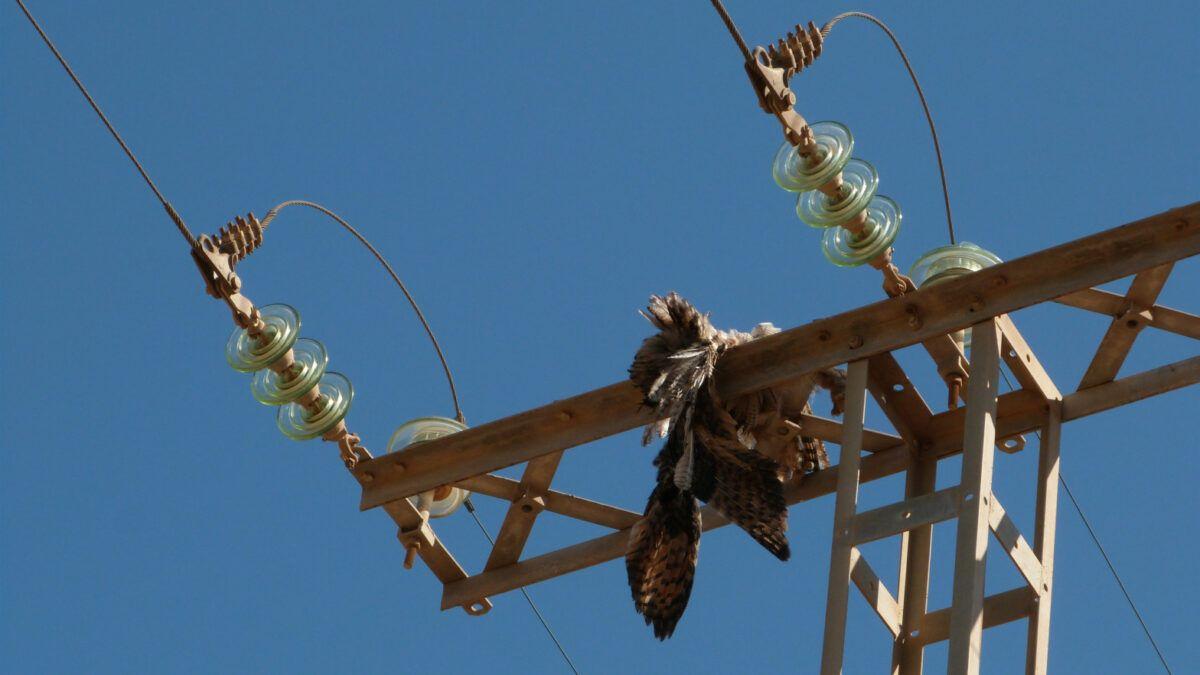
[(661, 555), (701, 459)]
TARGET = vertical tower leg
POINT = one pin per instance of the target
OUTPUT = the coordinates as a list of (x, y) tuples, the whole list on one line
[(834, 645), (979, 437), (1038, 648), (913, 591)]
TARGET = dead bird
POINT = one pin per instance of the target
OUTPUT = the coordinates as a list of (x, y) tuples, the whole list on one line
[(732, 455)]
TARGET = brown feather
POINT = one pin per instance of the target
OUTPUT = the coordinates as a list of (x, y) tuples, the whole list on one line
[(661, 559), (708, 455), (661, 554), (753, 500)]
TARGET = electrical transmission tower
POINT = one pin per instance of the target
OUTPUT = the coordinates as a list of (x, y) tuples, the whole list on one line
[(956, 302)]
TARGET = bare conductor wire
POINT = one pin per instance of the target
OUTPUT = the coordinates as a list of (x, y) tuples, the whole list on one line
[(174, 215), (937, 147), (1104, 554), (733, 29), (458, 413), (187, 234), (191, 239), (1120, 584), (528, 598)]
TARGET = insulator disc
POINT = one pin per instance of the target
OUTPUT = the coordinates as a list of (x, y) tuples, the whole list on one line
[(419, 431), (845, 249), (859, 181), (270, 388), (299, 424), (950, 262), (247, 354), (947, 262), (791, 171)]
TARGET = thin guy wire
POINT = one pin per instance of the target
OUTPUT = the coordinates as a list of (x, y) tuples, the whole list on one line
[(471, 510), (395, 277), (1111, 568), (937, 147), (183, 228), (1096, 540)]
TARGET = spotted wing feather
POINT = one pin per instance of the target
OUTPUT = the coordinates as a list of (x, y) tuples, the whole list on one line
[(749, 493), (661, 557)]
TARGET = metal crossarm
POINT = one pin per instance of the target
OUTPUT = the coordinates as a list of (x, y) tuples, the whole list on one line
[(867, 331), (865, 338)]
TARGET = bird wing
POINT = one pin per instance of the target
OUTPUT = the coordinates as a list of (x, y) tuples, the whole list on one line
[(661, 555), (749, 492)]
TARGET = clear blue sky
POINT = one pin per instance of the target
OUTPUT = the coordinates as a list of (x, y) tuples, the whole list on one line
[(534, 170)]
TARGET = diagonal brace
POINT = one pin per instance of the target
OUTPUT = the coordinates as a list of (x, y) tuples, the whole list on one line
[(1015, 545), (1117, 341)]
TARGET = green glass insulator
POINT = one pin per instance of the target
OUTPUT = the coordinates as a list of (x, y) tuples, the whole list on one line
[(248, 354), (793, 172), (301, 424), (845, 249), (271, 388), (950, 262), (421, 430), (947, 262), (859, 181)]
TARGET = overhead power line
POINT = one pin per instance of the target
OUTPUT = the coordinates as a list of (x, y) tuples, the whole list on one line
[(187, 234), (191, 239), (174, 215)]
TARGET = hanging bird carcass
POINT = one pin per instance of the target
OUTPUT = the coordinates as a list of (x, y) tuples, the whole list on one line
[(734, 455)]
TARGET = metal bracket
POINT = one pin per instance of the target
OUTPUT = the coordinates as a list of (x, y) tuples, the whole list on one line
[(216, 267), (215, 257), (531, 503), (776, 99), (420, 538), (220, 281)]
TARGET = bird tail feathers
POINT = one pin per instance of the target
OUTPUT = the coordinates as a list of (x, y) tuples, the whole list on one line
[(661, 555)]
